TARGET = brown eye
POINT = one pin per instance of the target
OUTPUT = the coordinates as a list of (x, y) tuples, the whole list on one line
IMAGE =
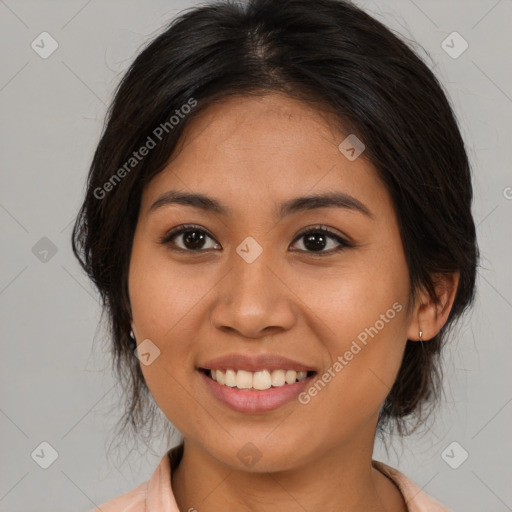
[(316, 239), (188, 238)]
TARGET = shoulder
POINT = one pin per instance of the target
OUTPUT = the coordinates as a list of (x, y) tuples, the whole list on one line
[(415, 498), (154, 495), (132, 501)]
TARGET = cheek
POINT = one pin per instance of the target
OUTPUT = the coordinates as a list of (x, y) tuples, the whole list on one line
[(365, 348), (165, 299), (364, 317), (162, 292)]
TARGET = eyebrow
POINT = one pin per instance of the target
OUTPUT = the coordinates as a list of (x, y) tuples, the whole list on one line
[(298, 204)]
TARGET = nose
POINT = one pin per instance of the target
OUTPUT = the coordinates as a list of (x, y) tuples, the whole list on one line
[(253, 300)]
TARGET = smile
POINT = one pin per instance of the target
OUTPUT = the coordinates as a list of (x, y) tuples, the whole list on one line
[(260, 380), (255, 392)]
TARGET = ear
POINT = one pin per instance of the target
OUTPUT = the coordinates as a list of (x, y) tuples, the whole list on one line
[(430, 315)]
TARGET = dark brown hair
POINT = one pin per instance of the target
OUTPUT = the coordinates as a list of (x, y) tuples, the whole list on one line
[(324, 51)]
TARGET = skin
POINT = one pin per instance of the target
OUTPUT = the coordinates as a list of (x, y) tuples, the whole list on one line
[(253, 153)]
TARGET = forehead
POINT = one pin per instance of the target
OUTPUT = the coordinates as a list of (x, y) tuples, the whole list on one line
[(264, 148)]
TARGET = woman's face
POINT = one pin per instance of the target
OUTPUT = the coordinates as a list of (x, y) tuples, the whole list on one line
[(247, 281)]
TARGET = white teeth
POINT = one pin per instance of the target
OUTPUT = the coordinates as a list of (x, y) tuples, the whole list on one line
[(230, 379), (278, 377), (243, 379), (261, 380), (220, 376), (291, 376)]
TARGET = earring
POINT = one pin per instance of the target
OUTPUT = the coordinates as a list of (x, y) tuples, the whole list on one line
[(421, 335), (132, 336)]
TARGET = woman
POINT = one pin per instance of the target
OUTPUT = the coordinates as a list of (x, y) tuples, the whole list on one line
[(278, 219)]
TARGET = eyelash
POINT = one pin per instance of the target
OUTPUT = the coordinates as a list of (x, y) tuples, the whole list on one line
[(173, 233)]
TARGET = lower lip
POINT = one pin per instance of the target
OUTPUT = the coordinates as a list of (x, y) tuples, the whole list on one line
[(252, 400)]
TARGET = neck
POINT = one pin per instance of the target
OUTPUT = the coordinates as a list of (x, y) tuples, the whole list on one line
[(341, 479)]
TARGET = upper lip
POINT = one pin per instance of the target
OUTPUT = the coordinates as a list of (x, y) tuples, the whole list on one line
[(254, 363)]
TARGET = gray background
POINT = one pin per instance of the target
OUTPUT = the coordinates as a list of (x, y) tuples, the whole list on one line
[(56, 384)]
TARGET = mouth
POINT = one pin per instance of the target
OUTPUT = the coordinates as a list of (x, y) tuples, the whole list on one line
[(255, 392), (256, 381)]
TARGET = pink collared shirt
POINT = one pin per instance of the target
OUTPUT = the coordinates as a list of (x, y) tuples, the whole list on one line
[(156, 494)]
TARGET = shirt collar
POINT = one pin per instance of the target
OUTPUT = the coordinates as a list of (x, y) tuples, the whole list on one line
[(159, 497), (415, 499)]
